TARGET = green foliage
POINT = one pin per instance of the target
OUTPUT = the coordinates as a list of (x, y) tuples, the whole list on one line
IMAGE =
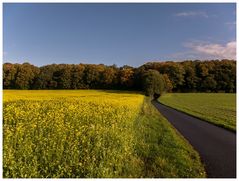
[(190, 80), (175, 72), (217, 108), (65, 77), (168, 84), (153, 83), (209, 84), (187, 76), (77, 76)]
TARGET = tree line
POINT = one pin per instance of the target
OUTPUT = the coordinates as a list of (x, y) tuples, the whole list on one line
[(185, 76)]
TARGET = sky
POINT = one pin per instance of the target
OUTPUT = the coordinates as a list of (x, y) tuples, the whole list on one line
[(121, 34)]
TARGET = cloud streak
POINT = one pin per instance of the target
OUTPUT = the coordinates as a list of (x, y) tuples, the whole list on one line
[(227, 51), (231, 25), (192, 14)]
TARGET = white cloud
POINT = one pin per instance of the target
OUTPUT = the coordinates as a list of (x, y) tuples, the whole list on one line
[(192, 14), (213, 50)]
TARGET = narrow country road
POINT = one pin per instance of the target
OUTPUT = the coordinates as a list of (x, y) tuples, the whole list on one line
[(216, 146)]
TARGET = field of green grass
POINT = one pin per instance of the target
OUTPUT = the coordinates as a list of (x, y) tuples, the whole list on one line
[(91, 134), (217, 108)]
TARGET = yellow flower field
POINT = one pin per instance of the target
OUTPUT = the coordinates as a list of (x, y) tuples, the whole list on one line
[(89, 134), (79, 135)]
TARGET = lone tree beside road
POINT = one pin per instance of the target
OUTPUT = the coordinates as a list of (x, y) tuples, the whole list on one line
[(153, 83)]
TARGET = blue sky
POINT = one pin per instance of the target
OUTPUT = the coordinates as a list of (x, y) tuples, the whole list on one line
[(118, 34)]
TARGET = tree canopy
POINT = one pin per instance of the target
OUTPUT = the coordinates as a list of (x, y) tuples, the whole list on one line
[(153, 83), (185, 76)]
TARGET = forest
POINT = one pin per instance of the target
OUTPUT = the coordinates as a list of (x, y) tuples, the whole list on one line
[(183, 76)]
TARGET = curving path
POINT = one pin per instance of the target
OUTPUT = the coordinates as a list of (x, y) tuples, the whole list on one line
[(216, 146)]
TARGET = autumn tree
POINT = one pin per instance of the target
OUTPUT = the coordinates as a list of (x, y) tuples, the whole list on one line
[(77, 73), (25, 75), (167, 83), (126, 77), (186, 76), (64, 77), (109, 76), (9, 73)]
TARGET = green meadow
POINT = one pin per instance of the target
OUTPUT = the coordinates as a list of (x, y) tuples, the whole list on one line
[(216, 108)]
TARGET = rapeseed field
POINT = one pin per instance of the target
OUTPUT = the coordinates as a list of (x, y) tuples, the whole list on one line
[(90, 134)]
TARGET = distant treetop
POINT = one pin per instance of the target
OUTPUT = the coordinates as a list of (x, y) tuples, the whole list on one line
[(181, 76)]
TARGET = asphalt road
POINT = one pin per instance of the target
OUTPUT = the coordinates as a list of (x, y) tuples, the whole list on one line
[(216, 146)]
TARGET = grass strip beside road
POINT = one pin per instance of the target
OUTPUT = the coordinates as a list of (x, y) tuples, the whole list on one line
[(164, 152)]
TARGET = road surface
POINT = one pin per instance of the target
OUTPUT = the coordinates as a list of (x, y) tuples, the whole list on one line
[(216, 146)]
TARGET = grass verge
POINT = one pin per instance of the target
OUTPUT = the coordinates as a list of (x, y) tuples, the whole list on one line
[(163, 151)]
